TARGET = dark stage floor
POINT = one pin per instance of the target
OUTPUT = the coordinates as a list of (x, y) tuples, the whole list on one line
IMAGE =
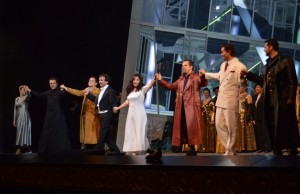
[(79, 172), (168, 159)]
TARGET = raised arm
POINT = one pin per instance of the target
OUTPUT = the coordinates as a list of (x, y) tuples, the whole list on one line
[(150, 84), (72, 91)]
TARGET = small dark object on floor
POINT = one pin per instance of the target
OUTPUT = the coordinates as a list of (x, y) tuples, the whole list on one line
[(153, 156)]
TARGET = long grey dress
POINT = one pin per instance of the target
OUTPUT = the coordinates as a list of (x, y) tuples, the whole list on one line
[(22, 120)]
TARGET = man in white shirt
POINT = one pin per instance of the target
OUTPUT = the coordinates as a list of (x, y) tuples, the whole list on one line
[(104, 104)]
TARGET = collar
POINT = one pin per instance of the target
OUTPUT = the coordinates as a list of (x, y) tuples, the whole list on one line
[(104, 87)]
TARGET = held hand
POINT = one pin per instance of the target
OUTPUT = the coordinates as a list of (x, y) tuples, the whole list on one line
[(62, 87), (115, 109), (202, 72), (244, 72), (158, 76), (86, 91), (28, 89)]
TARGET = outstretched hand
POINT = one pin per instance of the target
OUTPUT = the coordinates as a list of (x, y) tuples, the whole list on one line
[(201, 72), (244, 72), (27, 89), (62, 87), (115, 109), (157, 76), (86, 91)]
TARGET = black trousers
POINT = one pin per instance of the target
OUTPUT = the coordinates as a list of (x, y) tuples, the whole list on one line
[(104, 136)]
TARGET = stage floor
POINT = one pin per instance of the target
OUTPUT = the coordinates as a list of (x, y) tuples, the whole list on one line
[(78, 172), (168, 159)]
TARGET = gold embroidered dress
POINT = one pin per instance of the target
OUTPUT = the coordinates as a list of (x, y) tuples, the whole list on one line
[(298, 109), (209, 131), (245, 140)]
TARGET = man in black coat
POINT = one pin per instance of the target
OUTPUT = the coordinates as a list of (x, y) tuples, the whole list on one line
[(280, 83), (104, 103), (55, 135), (257, 112)]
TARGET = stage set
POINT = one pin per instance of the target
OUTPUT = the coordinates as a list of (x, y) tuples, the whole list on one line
[(83, 172)]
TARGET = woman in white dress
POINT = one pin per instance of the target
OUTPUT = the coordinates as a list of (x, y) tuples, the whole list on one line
[(135, 139), (22, 121)]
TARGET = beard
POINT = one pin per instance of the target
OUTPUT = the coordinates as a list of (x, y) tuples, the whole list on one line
[(267, 54)]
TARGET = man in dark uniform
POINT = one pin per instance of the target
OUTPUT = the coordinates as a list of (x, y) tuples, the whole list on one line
[(280, 83), (216, 91)]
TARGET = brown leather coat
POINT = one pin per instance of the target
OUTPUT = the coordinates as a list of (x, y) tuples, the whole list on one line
[(189, 97)]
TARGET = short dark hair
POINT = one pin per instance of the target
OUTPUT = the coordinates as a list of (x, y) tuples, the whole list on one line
[(258, 84), (273, 42), (53, 78), (106, 76), (94, 77), (190, 61), (229, 47), (215, 88)]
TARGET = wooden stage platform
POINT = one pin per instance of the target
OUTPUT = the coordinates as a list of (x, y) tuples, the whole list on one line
[(205, 173)]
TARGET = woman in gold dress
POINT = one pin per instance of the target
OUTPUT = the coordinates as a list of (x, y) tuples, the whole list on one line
[(245, 141), (209, 131), (89, 119), (298, 105)]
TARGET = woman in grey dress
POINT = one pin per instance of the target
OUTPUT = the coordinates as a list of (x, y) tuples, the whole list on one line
[(22, 121)]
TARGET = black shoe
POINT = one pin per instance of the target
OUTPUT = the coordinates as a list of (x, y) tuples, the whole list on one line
[(293, 152), (153, 156), (114, 153), (277, 152), (266, 151), (191, 153), (95, 151), (176, 149)]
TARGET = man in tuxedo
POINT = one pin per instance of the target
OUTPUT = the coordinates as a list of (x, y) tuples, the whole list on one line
[(227, 104), (104, 104), (257, 111), (216, 92)]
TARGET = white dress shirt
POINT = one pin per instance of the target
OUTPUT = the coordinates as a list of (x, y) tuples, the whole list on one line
[(100, 97)]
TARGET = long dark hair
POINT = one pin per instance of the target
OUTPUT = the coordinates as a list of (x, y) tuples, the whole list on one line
[(130, 86)]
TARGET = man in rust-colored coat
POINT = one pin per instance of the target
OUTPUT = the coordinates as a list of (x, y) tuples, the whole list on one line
[(187, 128)]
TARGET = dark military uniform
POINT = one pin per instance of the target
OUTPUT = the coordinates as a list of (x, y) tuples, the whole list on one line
[(280, 83)]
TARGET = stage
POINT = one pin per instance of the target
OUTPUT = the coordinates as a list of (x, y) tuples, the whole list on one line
[(79, 172)]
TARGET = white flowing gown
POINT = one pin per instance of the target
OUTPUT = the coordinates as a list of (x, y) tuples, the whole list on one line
[(136, 123)]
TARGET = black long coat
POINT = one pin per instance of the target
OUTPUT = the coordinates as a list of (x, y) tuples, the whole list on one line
[(286, 134), (55, 137)]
